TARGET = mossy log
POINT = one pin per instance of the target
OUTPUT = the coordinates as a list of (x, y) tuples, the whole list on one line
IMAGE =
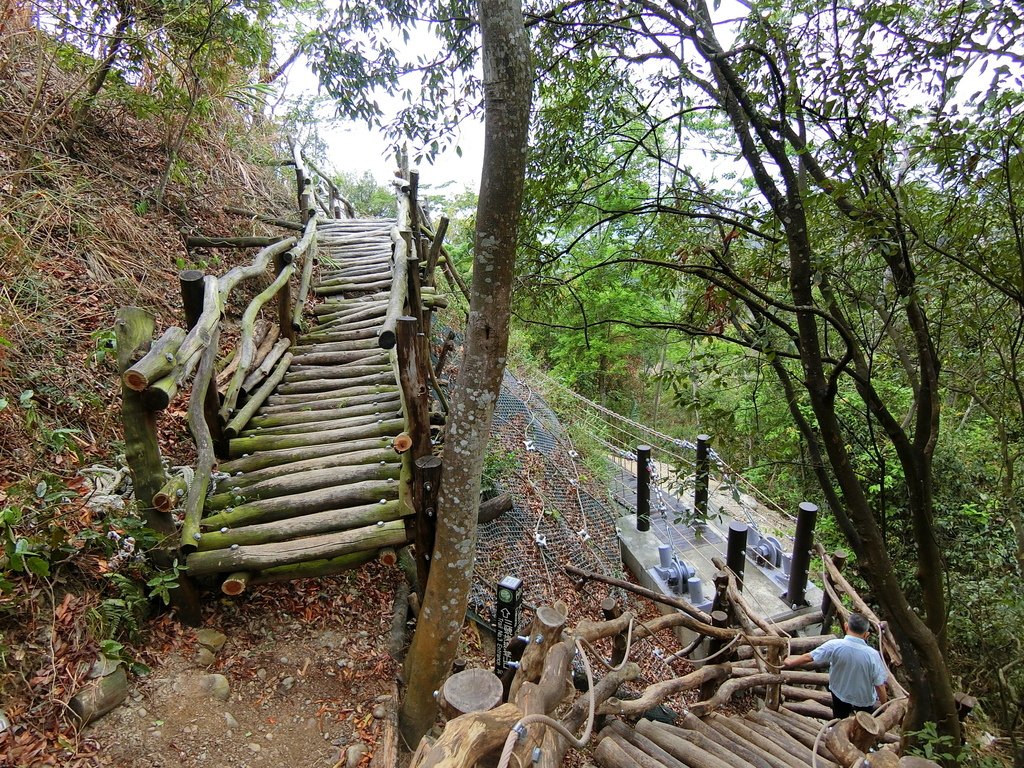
[(100, 696), (257, 267), (611, 754), (206, 458), (399, 291), (730, 688), (312, 568), (263, 333), (299, 482), (334, 385), (255, 443), (328, 372), (245, 341), (327, 329), (365, 356), (332, 420), (342, 421), (337, 497), (170, 493), (350, 287), (264, 365), (333, 306), (359, 340), (156, 363), (317, 523), (242, 417), (375, 455), (262, 556), (381, 405), (134, 329), (310, 401), (376, 282), (267, 460), (667, 751), (373, 394), (378, 271), (305, 282), (810, 709), (352, 316)]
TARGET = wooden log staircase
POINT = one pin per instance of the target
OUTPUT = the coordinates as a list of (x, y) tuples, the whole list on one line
[(313, 436)]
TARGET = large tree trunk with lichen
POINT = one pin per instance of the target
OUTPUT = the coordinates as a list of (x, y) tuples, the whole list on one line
[(508, 81)]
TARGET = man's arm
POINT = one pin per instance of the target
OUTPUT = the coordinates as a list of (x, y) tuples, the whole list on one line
[(883, 695), (797, 661)]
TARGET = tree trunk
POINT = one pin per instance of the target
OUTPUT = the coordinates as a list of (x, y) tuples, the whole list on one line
[(507, 93)]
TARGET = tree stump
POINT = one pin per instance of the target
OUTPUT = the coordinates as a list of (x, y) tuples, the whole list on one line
[(472, 690)]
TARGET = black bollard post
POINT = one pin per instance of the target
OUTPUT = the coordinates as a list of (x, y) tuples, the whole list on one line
[(801, 554), (506, 620), (736, 553), (700, 488), (643, 488)]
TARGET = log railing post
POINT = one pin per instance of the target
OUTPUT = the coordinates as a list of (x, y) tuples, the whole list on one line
[(700, 487), (643, 488), (414, 386), (134, 329), (426, 484), (192, 296), (284, 298), (611, 610), (802, 543), (415, 297)]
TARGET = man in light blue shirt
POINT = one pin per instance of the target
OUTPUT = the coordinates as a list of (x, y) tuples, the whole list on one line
[(857, 674)]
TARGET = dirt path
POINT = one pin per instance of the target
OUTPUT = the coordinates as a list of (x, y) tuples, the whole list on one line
[(308, 677)]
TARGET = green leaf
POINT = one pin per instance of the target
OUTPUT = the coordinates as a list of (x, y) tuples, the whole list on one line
[(38, 566)]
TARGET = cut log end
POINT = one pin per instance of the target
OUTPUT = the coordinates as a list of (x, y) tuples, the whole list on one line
[(235, 584), (402, 443), (388, 556), (134, 380), (387, 340)]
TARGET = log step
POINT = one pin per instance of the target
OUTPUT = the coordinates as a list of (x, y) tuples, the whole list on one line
[(259, 557)]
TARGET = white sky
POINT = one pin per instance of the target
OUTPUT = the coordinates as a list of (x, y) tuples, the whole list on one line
[(354, 148)]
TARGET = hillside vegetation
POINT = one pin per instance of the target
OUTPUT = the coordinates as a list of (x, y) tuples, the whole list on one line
[(82, 234)]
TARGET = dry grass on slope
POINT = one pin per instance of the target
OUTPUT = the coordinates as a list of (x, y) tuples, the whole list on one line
[(79, 239)]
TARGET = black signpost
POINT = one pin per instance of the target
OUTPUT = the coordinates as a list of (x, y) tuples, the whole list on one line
[(506, 619)]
